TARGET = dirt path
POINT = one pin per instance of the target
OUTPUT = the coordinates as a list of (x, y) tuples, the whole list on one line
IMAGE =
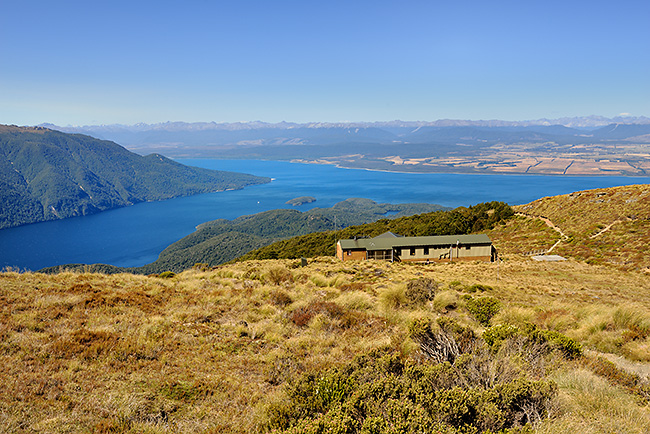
[(606, 229), (639, 368), (551, 225)]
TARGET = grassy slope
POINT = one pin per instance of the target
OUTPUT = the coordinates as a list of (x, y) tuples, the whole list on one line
[(582, 215), (623, 211), (207, 351)]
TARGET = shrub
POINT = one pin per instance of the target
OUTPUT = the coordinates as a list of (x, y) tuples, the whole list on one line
[(494, 336), (382, 393), (419, 328), (167, 274), (569, 347), (280, 298), (201, 266), (478, 287), (440, 345), (420, 291), (483, 309), (277, 275), (464, 336)]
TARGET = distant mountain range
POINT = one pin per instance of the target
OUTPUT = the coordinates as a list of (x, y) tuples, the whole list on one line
[(591, 145), (287, 140), (572, 122), (48, 175)]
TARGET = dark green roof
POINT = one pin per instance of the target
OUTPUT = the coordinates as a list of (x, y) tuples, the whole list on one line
[(388, 240)]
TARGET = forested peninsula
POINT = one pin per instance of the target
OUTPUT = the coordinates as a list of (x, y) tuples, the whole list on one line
[(220, 241), (48, 175)]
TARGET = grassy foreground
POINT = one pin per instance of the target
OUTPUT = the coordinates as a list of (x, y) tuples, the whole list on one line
[(264, 346)]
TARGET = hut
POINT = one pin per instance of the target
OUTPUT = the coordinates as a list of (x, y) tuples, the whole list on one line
[(441, 248)]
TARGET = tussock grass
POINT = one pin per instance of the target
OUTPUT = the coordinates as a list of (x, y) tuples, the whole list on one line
[(447, 300), (392, 297), (357, 300), (204, 350), (588, 404)]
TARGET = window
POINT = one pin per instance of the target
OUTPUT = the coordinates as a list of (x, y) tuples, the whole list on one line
[(412, 251), (349, 252), (467, 247), (426, 250), (398, 251)]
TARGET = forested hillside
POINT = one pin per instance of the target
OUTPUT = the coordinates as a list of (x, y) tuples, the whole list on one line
[(461, 220), (47, 175)]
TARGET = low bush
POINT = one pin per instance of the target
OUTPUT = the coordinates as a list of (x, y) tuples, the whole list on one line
[(420, 291), (569, 347), (478, 287), (444, 343), (496, 335), (201, 266), (381, 393), (280, 298), (277, 275), (483, 309)]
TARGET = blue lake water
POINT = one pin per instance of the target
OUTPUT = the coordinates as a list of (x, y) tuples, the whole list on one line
[(135, 235)]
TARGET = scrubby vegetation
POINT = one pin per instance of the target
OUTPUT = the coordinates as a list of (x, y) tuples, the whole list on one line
[(373, 347), (381, 392)]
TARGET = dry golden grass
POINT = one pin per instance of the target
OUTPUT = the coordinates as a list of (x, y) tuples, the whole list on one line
[(587, 404), (604, 226), (205, 350)]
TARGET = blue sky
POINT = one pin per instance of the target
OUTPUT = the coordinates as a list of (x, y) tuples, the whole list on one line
[(84, 62)]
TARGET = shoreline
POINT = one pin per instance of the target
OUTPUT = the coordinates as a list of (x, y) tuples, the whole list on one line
[(338, 165), (433, 172)]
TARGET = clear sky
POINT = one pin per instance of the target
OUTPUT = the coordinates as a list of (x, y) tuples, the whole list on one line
[(91, 62)]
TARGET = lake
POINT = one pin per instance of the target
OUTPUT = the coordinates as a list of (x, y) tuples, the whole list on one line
[(135, 235)]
